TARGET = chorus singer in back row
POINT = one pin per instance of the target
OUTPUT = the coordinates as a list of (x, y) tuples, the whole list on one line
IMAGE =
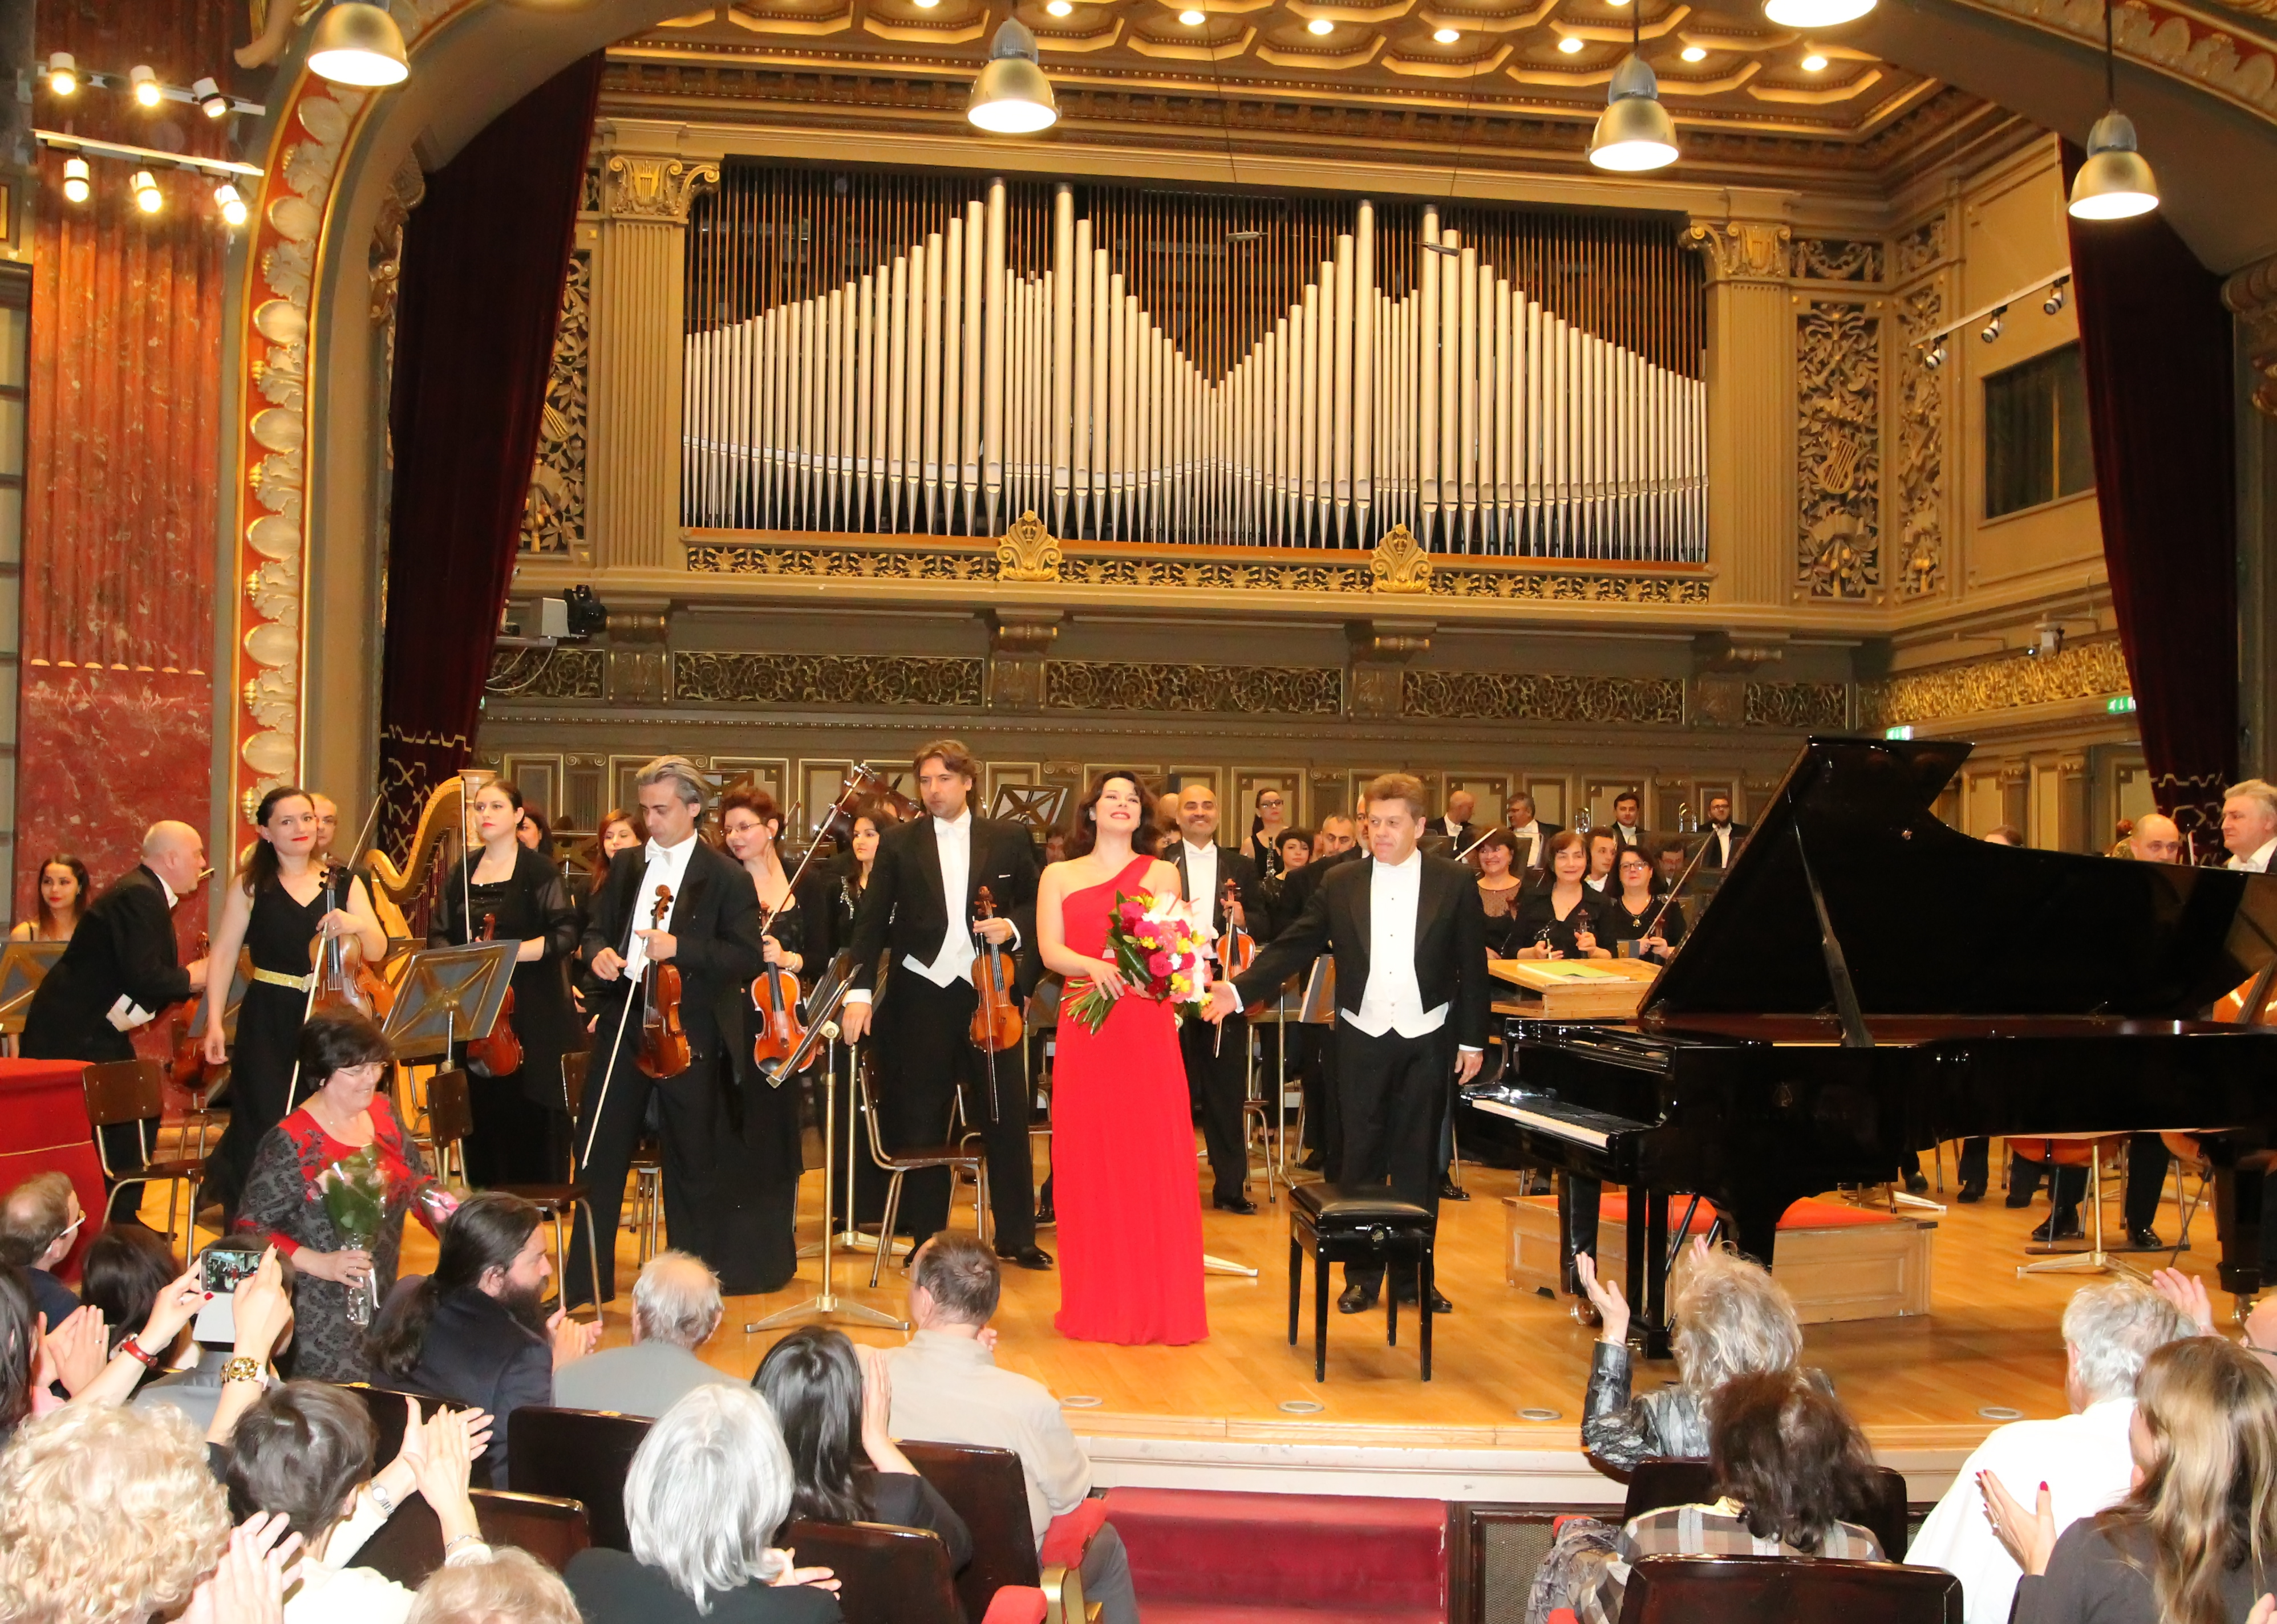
[(921, 904)]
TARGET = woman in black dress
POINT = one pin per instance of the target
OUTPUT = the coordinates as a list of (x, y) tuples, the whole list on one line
[(282, 902), (750, 825), (1631, 908), (1267, 830), (1499, 890), (1563, 919), (521, 1123), (831, 924)]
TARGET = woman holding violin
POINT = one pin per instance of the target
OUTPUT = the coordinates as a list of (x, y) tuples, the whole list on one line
[(310, 929), (1564, 918), (750, 825), (514, 893), (1634, 913)]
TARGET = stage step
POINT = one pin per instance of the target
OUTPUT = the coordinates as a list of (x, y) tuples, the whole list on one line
[(1261, 1559)]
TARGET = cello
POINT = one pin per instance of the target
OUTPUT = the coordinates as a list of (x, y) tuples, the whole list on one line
[(664, 1050), (996, 1026), (499, 1053)]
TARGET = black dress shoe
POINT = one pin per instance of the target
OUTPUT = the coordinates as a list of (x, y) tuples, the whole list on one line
[(2018, 1197), (1915, 1184), (1406, 1296), (1356, 1299), (1312, 1161), (2054, 1230), (1235, 1203), (1045, 1215), (1970, 1194), (1029, 1256), (1449, 1190), (2143, 1240)]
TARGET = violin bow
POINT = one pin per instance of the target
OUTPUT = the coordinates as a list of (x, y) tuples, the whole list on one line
[(332, 867)]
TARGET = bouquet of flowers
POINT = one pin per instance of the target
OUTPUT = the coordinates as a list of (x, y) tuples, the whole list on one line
[(1158, 947), (354, 1194)]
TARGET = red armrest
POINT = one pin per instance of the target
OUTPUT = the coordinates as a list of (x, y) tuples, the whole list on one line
[(1071, 1535), (1558, 1615), (1016, 1604)]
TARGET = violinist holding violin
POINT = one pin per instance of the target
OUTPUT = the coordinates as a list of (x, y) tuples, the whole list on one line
[(673, 904), (751, 827), (1217, 1072), (522, 1132), (287, 907)]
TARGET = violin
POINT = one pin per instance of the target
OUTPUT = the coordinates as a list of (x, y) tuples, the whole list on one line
[(500, 1054), (344, 979), (1236, 949), (774, 995), (996, 1018), (664, 1050), (188, 1068)]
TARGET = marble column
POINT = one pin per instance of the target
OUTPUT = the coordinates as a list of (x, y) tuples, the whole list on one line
[(638, 345), (1750, 409)]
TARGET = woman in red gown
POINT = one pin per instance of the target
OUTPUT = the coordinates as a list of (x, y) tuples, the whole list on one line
[(1122, 1135)]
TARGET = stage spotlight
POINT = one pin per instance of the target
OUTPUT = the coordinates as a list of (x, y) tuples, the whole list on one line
[(144, 84), (63, 73), (2055, 298), (232, 206), (1012, 95), (77, 187), (359, 44), (210, 99), (1933, 357), (148, 198), (1992, 328)]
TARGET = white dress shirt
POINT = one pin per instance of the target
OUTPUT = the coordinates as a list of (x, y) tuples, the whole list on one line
[(667, 865), (952, 838), (1392, 1001), (1529, 855), (1721, 834), (2258, 863), (1201, 880), (1628, 834), (2083, 1458)]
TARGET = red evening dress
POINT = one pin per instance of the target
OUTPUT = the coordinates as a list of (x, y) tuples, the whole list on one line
[(1123, 1159)]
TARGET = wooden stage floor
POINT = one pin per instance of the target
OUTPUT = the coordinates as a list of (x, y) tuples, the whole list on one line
[(1214, 1413)]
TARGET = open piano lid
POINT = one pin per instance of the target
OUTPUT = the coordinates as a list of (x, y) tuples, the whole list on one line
[(1932, 922)]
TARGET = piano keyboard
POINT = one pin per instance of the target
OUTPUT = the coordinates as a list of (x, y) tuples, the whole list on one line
[(1575, 1124)]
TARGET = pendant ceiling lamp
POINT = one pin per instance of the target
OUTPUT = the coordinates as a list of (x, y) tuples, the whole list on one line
[(1635, 134), (1012, 96), (359, 44), (1816, 13), (2115, 183)]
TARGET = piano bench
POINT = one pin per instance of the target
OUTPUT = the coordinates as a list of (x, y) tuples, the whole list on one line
[(1359, 1224)]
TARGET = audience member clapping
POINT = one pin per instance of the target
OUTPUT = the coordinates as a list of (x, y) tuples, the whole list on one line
[(832, 1399), (303, 1451), (1731, 1319), (513, 1587), (676, 1307), (2195, 1541), (2108, 1330), (1789, 1466), (126, 1268), (709, 1487)]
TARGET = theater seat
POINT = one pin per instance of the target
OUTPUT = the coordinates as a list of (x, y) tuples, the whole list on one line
[(1777, 1590)]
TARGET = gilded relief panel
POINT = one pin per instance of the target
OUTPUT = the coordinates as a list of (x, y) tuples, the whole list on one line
[(1122, 685), (2084, 670), (1517, 696), (707, 677), (1838, 385), (553, 513)]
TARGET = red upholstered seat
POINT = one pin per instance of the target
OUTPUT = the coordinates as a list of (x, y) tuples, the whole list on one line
[(1805, 1214), (1273, 1558)]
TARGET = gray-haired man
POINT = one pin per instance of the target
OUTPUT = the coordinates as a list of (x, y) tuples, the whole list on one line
[(676, 1307)]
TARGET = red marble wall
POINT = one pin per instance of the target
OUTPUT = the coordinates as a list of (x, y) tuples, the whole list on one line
[(115, 726)]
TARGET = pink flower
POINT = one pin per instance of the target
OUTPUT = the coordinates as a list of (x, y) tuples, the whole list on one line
[(1161, 963), (1131, 912)]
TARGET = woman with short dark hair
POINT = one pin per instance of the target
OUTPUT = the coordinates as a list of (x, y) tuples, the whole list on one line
[(303, 1451), (127, 1267), (832, 1399)]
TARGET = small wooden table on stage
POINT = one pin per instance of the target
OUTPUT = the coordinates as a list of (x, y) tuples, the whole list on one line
[(43, 1126), (1574, 989)]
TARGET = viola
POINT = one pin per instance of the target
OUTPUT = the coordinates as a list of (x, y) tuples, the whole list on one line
[(995, 1018), (500, 1054), (774, 995), (664, 1050)]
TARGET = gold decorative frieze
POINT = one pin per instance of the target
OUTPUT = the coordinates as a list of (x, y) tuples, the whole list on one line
[(553, 512), (1798, 706), (852, 560), (1838, 444), (1400, 565), (736, 677), (1830, 259), (2082, 670), (1920, 450), (1525, 696), (2251, 296), (545, 673), (1921, 246), (1028, 552), (637, 186), (1743, 250), (1239, 690)]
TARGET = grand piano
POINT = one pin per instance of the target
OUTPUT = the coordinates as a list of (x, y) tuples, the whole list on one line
[(1869, 983)]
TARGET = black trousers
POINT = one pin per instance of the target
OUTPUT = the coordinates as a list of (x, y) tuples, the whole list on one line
[(717, 1203), (1217, 1074), (926, 1056), (2146, 1180), (1393, 1097)]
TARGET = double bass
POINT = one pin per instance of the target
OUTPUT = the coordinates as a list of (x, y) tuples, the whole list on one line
[(664, 1050)]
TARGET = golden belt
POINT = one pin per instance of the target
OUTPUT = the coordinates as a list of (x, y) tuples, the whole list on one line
[(278, 978)]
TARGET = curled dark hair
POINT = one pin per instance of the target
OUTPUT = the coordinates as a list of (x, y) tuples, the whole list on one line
[(1784, 1448), (755, 799), (813, 1382), (302, 1449), (1085, 834), (486, 1232), (127, 1267), (61, 860), (19, 1331), (334, 1040), (258, 872), (1294, 833)]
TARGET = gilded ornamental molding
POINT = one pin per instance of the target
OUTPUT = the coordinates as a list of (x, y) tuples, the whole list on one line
[(1524, 696), (1029, 551), (1798, 706), (2251, 296), (1400, 565), (1838, 365), (636, 186), (740, 678), (2082, 671), (553, 512), (1242, 690), (1743, 250)]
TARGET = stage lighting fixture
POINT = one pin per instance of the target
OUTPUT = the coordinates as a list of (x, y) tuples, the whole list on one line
[(78, 186)]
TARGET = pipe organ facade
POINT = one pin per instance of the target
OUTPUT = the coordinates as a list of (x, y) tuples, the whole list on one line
[(879, 354)]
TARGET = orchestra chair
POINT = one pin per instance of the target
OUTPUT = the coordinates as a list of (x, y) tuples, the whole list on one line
[(1657, 1483), (886, 1574), (561, 1204), (1778, 1590), (578, 1454), (1338, 1224), (121, 1091), (985, 1487), (901, 1163), (2060, 1150), (408, 1546)]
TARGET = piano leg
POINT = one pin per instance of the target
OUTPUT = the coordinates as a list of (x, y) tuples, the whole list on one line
[(1650, 1326), (1578, 1199), (2240, 1173), (1751, 1218)]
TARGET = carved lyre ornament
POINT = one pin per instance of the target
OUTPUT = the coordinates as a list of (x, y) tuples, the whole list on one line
[(1400, 565), (639, 188), (1028, 551)]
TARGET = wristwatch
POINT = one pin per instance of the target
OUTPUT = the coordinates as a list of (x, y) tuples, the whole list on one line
[(244, 1368)]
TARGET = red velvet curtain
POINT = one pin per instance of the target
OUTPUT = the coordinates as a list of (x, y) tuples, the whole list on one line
[(483, 259), (2156, 346)]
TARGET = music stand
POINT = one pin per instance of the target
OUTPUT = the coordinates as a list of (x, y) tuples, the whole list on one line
[(448, 993), (1039, 806), (23, 966), (1319, 1005)]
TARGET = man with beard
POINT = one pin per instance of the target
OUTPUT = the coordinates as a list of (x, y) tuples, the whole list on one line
[(474, 1332)]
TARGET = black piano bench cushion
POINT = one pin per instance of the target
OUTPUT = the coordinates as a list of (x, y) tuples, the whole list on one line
[(1336, 1208)]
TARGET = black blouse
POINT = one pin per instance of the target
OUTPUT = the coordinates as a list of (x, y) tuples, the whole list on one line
[(1502, 938), (1623, 926), (530, 902), (1538, 921)]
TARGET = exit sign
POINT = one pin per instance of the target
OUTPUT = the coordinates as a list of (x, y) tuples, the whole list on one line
[(2121, 704)]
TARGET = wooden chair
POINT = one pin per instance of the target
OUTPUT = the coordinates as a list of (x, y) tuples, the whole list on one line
[(985, 1487), (1658, 1482), (901, 1163), (1774, 1589), (450, 1119), (580, 1455), (390, 1410), (885, 1574), (409, 1544), (121, 1091)]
